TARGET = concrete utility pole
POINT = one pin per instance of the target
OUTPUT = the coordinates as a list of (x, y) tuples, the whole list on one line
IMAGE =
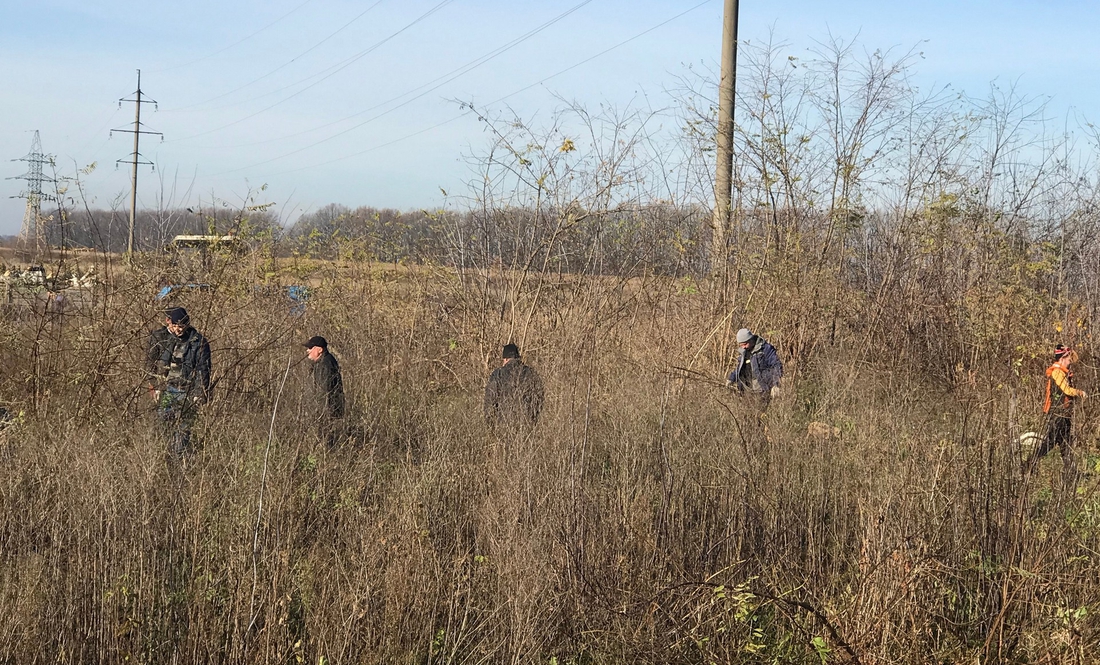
[(723, 178), (135, 157)]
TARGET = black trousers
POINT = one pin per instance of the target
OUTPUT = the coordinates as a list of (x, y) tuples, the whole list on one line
[(1059, 433)]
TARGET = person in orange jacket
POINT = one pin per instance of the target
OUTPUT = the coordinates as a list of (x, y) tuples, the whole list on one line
[(1058, 404)]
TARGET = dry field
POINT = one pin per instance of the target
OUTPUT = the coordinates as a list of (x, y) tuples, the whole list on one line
[(883, 516)]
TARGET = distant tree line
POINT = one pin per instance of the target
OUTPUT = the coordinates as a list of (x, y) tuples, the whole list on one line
[(107, 230), (657, 238)]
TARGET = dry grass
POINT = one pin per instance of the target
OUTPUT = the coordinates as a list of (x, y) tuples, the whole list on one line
[(643, 521)]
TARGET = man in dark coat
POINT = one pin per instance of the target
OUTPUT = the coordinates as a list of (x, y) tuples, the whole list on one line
[(178, 358), (329, 388), (514, 394), (758, 369)]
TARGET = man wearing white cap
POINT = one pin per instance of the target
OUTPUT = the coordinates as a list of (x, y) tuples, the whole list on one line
[(758, 368)]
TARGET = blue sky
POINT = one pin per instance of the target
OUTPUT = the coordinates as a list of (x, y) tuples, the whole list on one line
[(224, 74)]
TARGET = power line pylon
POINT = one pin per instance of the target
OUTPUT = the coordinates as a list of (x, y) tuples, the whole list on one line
[(33, 227), (135, 156)]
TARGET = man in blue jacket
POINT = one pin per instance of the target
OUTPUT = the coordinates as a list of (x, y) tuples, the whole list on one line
[(758, 368)]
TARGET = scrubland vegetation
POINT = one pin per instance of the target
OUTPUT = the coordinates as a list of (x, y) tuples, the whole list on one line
[(914, 257)]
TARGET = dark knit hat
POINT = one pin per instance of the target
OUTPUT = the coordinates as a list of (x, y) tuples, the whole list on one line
[(177, 315), (316, 340), (1060, 351), (510, 351)]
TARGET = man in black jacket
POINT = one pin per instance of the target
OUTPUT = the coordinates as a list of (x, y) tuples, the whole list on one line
[(329, 386), (179, 370), (514, 394)]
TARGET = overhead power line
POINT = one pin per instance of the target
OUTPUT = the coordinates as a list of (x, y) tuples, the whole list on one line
[(234, 44), (280, 67), (347, 63), (600, 54), (431, 86), (465, 113)]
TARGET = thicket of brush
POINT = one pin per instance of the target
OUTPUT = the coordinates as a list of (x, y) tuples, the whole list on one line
[(914, 259)]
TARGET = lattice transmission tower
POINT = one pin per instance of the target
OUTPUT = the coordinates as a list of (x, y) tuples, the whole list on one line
[(33, 230)]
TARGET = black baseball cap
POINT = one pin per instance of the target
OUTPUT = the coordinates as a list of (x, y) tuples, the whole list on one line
[(177, 315), (316, 340)]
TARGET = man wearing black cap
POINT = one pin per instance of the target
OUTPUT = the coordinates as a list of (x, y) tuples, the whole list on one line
[(514, 393), (179, 368), (329, 387)]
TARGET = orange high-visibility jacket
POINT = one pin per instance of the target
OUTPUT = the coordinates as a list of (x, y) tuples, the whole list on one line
[(1059, 391)]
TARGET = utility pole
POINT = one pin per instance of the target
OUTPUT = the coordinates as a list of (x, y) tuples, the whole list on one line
[(135, 157), (32, 216), (723, 179)]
